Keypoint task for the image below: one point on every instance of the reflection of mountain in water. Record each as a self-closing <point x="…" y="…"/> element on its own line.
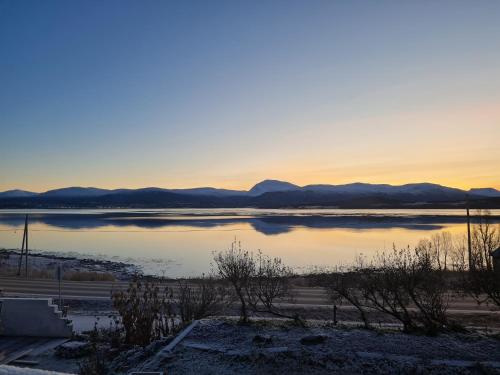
<point x="268" y="225"/>
<point x="280" y="224"/>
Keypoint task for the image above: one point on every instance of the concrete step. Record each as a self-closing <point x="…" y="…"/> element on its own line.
<point x="37" y="317"/>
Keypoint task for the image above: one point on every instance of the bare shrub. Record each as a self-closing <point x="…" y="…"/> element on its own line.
<point x="428" y="290"/>
<point x="459" y="257"/>
<point x="199" y="299"/>
<point x="484" y="286"/>
<point x="237" y="267"/>
<point x="270" y="282"/>
<point x="258" y="282"/>
<point x="345" y="285"/>
<point x="442" y="247"/>
<point x="485" y="240"/>
<point x="146" y="312"/>
<point x="483" y="281"/>
<point x="382" y="287"/>
<point x="408" y="286"/>
<point x="96" y="363"/>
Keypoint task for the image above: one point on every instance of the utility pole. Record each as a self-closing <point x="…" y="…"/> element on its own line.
<point x="469" y="243"/>
<point x="24" y="249"/>
<point x="27" y="246"/>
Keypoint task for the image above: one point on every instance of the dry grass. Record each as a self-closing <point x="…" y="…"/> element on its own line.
<point x="89" y="276"/>
<point x="69" y="275"/>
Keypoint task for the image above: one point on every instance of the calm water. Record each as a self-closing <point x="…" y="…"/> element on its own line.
<point x="180" y="242"/>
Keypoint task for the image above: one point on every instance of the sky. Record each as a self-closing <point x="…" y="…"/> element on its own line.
<point x="227" y="93"/>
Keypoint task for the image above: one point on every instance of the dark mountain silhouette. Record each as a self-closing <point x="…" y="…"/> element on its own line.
<point x="268" y="186"/>
<point x="16" y="194"/>
<point x="76" y="191"/>
<point x="266" y="194"/>
<point x="210" y="191"/>
<point x="486" y="192"/>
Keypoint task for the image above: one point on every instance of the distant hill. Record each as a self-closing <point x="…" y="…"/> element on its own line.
<point x="16" y="194"/>
<point x="265" y="194"/>
<point x="76" y="192"/>
<point x="485" y="192"/>
<point x="210" y="191"/>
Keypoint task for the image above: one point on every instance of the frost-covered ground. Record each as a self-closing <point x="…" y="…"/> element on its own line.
<point x="224" y="347"/>
<point x="221" y="346"/>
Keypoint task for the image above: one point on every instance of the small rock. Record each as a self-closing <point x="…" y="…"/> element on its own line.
<point x="262" y="339"/>
<point x="313" y="339"/>
<point x="73" y="349"/>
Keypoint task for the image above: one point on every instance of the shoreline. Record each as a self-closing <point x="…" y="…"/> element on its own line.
<point x="44" y="265"/>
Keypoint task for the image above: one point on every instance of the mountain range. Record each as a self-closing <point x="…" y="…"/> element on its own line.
<point x="265" y="194"/>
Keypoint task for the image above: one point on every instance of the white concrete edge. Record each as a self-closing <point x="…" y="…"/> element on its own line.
<point x="179" y="338"/>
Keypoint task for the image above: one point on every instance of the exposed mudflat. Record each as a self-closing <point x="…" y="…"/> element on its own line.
<point x="44" y="265"/>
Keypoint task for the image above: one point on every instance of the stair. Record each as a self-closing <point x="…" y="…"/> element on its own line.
<point x="36" y="317"/>
<point x="60" y="315"/>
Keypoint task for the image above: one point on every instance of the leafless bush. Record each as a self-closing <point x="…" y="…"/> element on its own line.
<point x="199" y="299"/>
<point x="382" y="287"/>
<point x="428" y="289"/>
<point x="237" y="267"/>
<point x="459" y="257"/>
<point x="441" y="249"/>
<point x="258" y="282"/>
<point x="96" y="363"/>
<point x="410" y="287"/>
<point x="345" y="285"/>
<point x="270" y="282"/>
<point x="485" y="240"/>
<point x="146" y="312"/>
<point x="482" y="281"/>
<point x="484" y="286"/>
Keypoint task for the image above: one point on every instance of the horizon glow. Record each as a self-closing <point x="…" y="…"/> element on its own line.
<point x="130" y="94"/>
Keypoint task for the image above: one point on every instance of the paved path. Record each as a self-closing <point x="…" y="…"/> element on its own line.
<point x="101" y="290"/>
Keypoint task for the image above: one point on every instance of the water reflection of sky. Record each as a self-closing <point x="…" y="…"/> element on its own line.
<point x="166" y="242"/>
